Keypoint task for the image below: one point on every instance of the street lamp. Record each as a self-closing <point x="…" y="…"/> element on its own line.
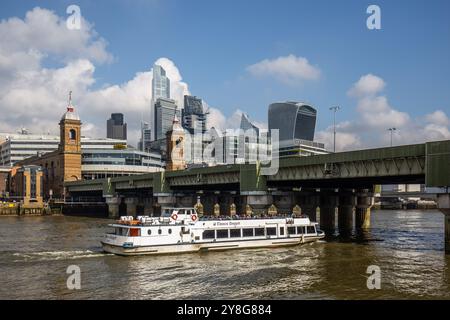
<point x="392" y="131"/>
<point x="335" y="109"/>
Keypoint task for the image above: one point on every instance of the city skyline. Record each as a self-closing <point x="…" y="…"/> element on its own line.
<point x="379" y="82"/>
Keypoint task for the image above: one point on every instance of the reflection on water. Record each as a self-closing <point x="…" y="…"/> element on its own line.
<point x="408" y="246"/>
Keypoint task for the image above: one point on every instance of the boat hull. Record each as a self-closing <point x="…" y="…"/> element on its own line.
<point x="208" y="246"/>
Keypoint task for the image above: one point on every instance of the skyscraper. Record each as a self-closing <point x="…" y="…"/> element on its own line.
<point x="194" y="115"/>
<point x="160" y="83"/>
<point x="160" y="89"/>
<point x="294" y="120"/>
<point x="165" y="110"/>
<point x="146" y="137"/>
<point x="115" y="127"/>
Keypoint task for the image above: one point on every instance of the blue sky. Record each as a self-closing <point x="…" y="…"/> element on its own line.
<point x="213" y="42"/>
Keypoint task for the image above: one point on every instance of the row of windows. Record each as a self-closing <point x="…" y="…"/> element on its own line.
<point x="255" y="232"/>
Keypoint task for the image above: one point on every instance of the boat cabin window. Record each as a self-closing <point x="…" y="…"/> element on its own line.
<point x="208" y="234"/>
<point x="300" y="230"/>
<point x="259" y="232"/>
<point x="122" y="231"/>
<point x="159" y="231"/>
<point x="281" y="231"/>
<point x="291" y="230"/>
<point x="248" y="232"/>
<point x="170" y="231"/>
<point x="311" y="229"/>
<point x="149" y="232"/>
<point x="235" y="233"/>
<point x="222" y="234"/>
<point x="272" y="231"/>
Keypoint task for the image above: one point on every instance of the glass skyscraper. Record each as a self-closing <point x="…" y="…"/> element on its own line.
<point x="160" y="83"/>
<point x="115" y="127"/>
<point x="294" y="120"/>
<point x="165" y="110"/>
<point x="194" y="115"/>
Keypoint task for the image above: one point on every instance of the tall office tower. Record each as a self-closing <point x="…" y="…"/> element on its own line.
<point x="160" y="83"/>
<point x="146" y="137"/>
<point x="246" y="124"/>
<point x="116" y="128"/>
<point x="160" y="89"/>
<point x="165" y="110"/>
<point x="194" y="115"/>
<point x="294" y="120"/>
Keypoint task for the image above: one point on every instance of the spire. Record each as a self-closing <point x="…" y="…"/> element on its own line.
<point x="69" y="106"/>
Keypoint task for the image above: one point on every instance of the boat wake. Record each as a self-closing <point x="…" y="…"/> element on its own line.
<point x="57" y="255"/>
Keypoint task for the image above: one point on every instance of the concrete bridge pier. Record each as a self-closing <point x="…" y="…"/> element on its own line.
<point x="259" y="203"/>
<point x="186" y="200"/>
<point x="347" y="202"/>
<point x="444" y="205"/>
<point x="208" y="201"/>
<point x="363" y="205"/>
<point x="113" y="203"/>
<point x="328" y="203"/>
<point x="131" y="206"/>
<point x="283" y="201"/>
<point x="309" y="201"/>
<point x="225" y="202"/>
<point x="147" y="203"/>
<point x="164" y="201"/>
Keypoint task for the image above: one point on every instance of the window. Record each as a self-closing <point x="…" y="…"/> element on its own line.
<point x="272" y="231"/>
<point x="72" y="134"/>
<point x="259" y="232"/>
<point x="311" y="229"/>
<point x="159" y="231"/>
<point x="291" y="230"/>
<point x="300" y="230"/>
<point x="149" y="232"/>
<point x="170" y="231"/>
<point x="281" y="231"/>
<point x="235" y="233"/>
<point x="208" y="234"/>
<point x="247" y="232"/>
<point x="222" y="234"/>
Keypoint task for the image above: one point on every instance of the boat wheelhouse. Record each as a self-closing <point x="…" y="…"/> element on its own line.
<point x="180" y="230"/>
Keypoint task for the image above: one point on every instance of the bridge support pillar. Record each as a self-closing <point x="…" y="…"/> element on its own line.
<point x="186" y="201"/>
<point x="363" y="205"/>
<point x="131" y="206"/>
<point x="113" y="207"/>
<point x="328" y="203"/>
<point x="308" y="203"/>
<point x="347" y="202"/>
<point x="259" y="203"/>
<point x="165" y="201"/>
<point x="208" y="201"/>
<point x="225" y="202"/>
<point x="148" y="206"/>
<point x="444" y="205"/>
<point x="284" y="201"/>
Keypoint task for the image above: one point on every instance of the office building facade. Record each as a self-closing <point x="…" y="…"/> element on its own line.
<point x="294" y="120"/>
<point x="194" y="115"/>
<point x="165" y="110"/>
<point x="146" y="137"/>
<point x="115" y="127"/>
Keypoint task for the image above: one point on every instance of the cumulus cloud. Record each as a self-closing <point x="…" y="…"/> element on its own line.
<point x="367" y="85"/>
<point x="34" y="96"/>
<point x="375" y="115"/>
<point x="289" y="69"/>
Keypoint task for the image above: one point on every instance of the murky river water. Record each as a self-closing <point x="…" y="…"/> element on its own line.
<point x="408" y="246"/>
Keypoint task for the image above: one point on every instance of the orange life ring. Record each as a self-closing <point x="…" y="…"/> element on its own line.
<point x="174" y="216"/>
<point x="194" y="217"/>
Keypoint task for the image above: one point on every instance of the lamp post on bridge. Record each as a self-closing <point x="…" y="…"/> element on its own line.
<point x="335" y="109"/>
<point x="392" y="131"/>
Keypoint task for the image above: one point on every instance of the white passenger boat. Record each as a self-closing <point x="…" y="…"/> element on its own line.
<point x="180" y="230"/>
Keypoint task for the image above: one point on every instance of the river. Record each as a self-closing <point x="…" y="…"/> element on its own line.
<point x="407" y="246"/>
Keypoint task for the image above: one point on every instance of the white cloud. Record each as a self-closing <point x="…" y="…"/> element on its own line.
<point x="289" y="69"/>
<point x="375" y="115"/>
<point x="367" y="85"/>
<point x="35" y="97"/>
